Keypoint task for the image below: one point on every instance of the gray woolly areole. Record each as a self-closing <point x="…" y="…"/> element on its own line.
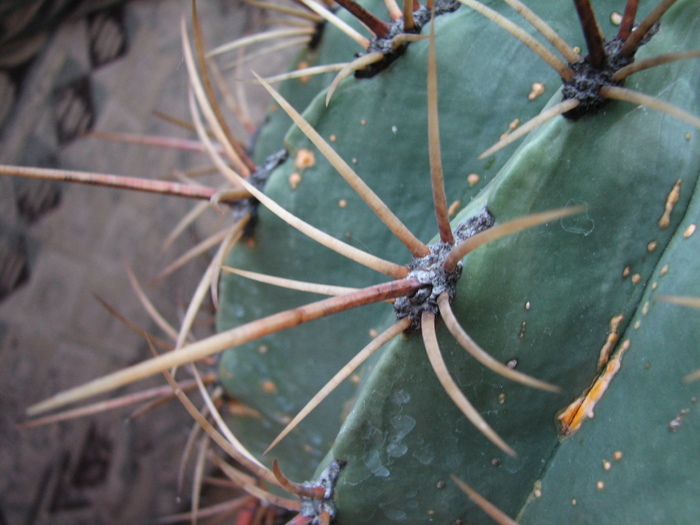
<point x="585" y="85"/>
<point x="327" y="480"/>
<point x="430" y="271"/>
<point x="384" y="45"/>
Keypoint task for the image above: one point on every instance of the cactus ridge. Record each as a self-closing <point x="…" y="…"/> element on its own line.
<point x="438" y="272"/>
<point x="372" y="294"/>
<point x="530" y="166"/>
<point x="352" y="474"/>
<point x="591" y="81"/>
<point x="297" y="316"/>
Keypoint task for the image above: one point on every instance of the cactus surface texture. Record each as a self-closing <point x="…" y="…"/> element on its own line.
<point x="543" y="298"/>
<point x="581" y="303"/>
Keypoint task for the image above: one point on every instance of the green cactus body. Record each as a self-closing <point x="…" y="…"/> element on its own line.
<point x="336" y="47"/>
<point x="631" y="462"/>
<point x="392" y="156"/>
<point x="404" y="437"/>
<point x="471" y="77"/>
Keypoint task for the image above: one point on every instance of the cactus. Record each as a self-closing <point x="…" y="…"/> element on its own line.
<point x="385" y="445"/>
<point x="382" y="440"/>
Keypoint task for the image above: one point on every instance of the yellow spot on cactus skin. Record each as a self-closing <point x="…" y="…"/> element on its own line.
<point x="664" y="270"/>
<point x="617" y="456"/>
<point x="626" y="272"/>
<point x="342" y="203"/>
<point x="610" y="342"/>
<point x="573" y="501"/>
<point x="303" y="65"/>
<point x="473" y="178"/>
<point x="606" y="465"/>
<point x="363" y="122"/>
<point x="600" y="485"/>
<point x="652" y="246"/>
<point x="440" y="484"/>
<point x="501" y="398"/>
<point x="645" y="308"/>
<point x="636" y="278"/>
<point x="577" y="49"/>
<point x="269" y="387"/>
<point x="637" y="324"/>
<point x="333" y="138"/>
<point x="354" y="160"/>
<point x="513" y="125"/>
<point x="453" y="208"/>
<point x="527" y="305"/>
<point x="690" y="230"/>
<point x="355" y="379"/>
<point x="671" y="201"/>
<point x="538" y="89"/>
<point x="305" y="159"/>
<point x="522" y="329"/>
<point x="654" y="285"/>
<point x="294" y="180"/>
<point x="262" y="349"/>
<point x="373" y="333"/>
<point x="616" y="18"/>
<point x="236" y="408"/>
<point x="687" y="137"/>
<point x="572" y="417"/>
<point x="537" y="489"/>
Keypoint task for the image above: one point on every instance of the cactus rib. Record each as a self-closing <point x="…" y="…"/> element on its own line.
<point x="596" y="78"/>
<point x="450" y="386"/>
<point x="414" y="245"/>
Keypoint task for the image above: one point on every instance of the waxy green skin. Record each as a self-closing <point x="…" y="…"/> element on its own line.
<point x="395" y="165"/>
<point x="653" y="481"/>
<point x="404" y="434"/>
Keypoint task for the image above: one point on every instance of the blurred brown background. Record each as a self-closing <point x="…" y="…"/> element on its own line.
<point x="67" y="67"/>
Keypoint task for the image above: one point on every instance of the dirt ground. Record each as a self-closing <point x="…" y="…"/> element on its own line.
<point x="62" y="244"/>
